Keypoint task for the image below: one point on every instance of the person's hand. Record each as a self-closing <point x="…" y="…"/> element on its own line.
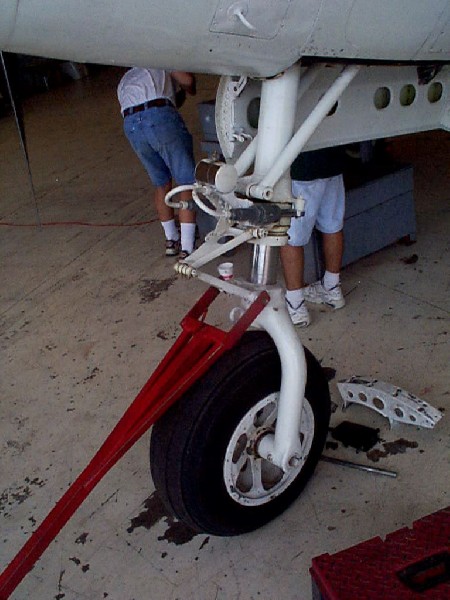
<point x="180" y="97"/>
<point x="186" y="81"/>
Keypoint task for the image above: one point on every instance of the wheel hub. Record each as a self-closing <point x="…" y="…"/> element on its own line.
<point x="250" y="479"/>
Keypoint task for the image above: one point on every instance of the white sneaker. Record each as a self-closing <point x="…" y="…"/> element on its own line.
<point x="319" y="295"/>
<point x="300" y="315"/>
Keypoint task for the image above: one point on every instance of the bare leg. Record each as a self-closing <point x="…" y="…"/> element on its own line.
<point x="292" y="260"/>
<point x="333" y="250"/>
<point x="327" y="290"/>
<point x="165" y="213"/>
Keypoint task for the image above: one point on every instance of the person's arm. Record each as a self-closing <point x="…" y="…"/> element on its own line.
<point x="186" y="81"/>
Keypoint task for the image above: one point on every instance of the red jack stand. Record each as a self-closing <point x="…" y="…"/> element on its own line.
<point x="196" y="349"/>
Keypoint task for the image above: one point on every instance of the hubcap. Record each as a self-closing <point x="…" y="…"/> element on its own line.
<point x="250" y="479"/>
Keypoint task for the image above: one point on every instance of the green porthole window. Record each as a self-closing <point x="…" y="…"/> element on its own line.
<point x="382" y="98"/>
<point x="407" y="95"/>
<point x="435" y="92"/>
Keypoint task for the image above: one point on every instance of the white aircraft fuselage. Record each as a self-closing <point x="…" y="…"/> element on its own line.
<point x="228" y="37"/>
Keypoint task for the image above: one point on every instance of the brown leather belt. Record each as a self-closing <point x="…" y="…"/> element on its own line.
<point x="150" y="104"/>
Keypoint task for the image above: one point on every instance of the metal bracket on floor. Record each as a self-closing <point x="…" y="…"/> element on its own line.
<point x="389" y="400"/>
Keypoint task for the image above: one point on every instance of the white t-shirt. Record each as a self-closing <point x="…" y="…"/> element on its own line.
<point x="140" y="85"/>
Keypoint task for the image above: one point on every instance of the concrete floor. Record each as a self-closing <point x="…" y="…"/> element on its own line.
<point x="87" y="312"/>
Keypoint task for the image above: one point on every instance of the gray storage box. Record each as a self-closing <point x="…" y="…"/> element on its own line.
<point x="378" y="213"/>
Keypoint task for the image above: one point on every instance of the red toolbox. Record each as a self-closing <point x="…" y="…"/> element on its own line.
<point x="411" y="564"/>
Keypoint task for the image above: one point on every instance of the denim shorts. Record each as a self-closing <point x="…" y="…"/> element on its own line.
<point x="163" y="143"/>
<point x="324" y="208"/>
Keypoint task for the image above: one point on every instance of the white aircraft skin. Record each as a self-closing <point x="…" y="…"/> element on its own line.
<point x="227" y="37"/>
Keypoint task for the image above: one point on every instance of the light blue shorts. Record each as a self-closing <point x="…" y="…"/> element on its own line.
<point x="163" y="143"/>
<point x="324" y="208"/>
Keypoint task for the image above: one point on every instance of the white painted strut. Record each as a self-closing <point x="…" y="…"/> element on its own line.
<point x="293" y="149"/>
<point x="284" y="447"/>
<point x="245" y="160"/>
<point x="276" y="126"/>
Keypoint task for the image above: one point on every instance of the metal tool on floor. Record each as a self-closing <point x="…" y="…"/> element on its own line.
<point x="360" y="467"/>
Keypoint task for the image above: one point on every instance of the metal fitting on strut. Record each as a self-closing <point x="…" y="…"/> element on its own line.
<point x="258" y="214"/>
<point x="183" y="268"/>
<point x="218" y="174"/>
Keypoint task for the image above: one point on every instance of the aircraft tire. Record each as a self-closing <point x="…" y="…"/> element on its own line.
<point x="203" y="455"/>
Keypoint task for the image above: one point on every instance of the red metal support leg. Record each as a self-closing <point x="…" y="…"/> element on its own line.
<point x="196" y="349"/>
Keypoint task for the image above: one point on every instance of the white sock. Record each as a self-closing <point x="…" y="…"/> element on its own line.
<point x="187" y="236"/>
<point x="170" y="230"/>
<point x="330" y="280"/>
<point x="295" y="297"/>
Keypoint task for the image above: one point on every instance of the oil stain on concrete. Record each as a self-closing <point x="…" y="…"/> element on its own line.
<point x="390" y="448"/>
<point x="151" y="289"/>
<point x="11" y="497"/>
<point x="154" y="511"/>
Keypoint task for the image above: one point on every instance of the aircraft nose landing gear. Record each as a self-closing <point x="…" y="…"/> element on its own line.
<point x="241" y="443"/>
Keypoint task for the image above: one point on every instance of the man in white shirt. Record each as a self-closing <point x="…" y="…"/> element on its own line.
<point x="160" y="138"/>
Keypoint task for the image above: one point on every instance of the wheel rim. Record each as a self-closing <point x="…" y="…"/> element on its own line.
<point x="251" y="480"/>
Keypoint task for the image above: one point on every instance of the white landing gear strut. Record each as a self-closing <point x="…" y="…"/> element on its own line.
<point x="268" y="189"/>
